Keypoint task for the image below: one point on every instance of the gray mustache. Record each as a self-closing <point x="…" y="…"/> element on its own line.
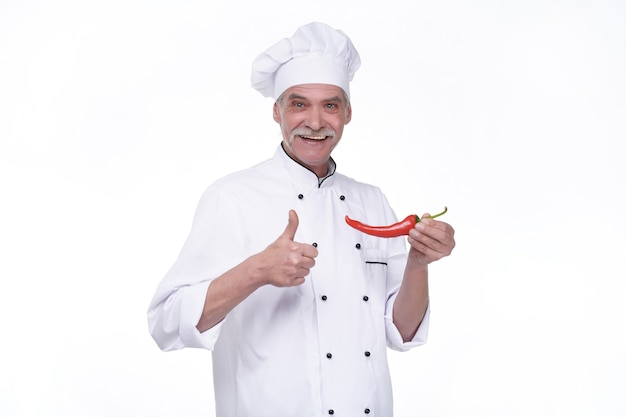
<point x="310" y="132"/>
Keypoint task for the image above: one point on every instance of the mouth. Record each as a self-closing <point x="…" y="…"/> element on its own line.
<point x="309" y="135"/>
<point x="313" y="138"/>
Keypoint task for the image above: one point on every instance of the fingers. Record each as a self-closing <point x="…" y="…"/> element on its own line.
<point x="292" y="226"/>
<point x="292" y="269"/>
<point x="434" y="239"/>
<point x="307" y="260"/>
<point x="309" y="251"/>
<point x="433" y="224"/>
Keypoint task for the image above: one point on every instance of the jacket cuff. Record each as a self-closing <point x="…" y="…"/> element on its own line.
<point x="191" y="307"/>
<point x="394" y="339"/>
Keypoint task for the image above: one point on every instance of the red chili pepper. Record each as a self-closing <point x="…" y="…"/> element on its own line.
<point x="400" y="228"/>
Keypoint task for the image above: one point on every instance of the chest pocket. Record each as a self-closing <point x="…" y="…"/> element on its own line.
<point x="374" y="257"/>
<point x="375" y="265"/>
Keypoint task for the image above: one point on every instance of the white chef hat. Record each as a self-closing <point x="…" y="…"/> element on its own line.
<point x="315" y="54"/>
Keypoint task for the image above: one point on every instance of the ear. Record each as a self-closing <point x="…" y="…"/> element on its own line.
<point x="348" y="113"/>
<point x="276" y="113"/>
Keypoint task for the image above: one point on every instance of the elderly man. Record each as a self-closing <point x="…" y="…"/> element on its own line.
<point x="299" y="315"/>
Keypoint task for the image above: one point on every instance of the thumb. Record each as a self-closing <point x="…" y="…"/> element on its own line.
<point x="292" y="226"/>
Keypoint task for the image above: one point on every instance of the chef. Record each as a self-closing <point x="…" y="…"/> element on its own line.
<point x="297" y="307"/>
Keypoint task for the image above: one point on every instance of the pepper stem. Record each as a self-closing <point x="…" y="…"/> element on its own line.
<point x="445" y="208"/>
<point x="436" y="215"/>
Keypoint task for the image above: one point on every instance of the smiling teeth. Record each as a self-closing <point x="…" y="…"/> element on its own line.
<point x="314" y="137"/>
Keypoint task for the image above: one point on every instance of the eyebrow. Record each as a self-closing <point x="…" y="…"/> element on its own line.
<point x="292" y="96"/>
<point x="336" y="98"/>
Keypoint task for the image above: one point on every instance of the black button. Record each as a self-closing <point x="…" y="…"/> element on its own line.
<point x="358" y="246"/>
<point x="329" y="355"/>
<point x="324" y="298"/>
<point x="367" y="353"/>
<point x="331" y="411"/>
<point x="365" y="298"/>
<point x="315" y="244"/>
<point x="300" y="196"/>
<point x="342" y="197"/>
<point x="367" y="411"/>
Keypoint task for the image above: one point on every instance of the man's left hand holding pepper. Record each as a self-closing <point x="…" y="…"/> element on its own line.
<point x="430" y="240"/>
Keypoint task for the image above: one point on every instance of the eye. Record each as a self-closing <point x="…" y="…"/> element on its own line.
<point x="331" y="106"/>
<point x="298" y="104"/>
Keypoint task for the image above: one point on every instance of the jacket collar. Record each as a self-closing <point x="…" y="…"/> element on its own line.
<point x="302" y="174"/>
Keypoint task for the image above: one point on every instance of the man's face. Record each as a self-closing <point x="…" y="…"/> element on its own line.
<point x="311" y="118"/>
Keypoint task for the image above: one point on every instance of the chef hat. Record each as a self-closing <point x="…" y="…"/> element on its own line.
<point x="315" y="54"/>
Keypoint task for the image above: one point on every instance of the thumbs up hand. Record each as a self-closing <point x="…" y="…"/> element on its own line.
<point x="286" y="262"/>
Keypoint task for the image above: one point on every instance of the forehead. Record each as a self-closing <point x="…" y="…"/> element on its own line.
<point x="315" y="92"/>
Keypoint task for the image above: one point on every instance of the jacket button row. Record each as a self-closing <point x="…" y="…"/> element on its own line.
<point x="367" y="354"/>
<point x="331" y="411"/>
<point x="341" y="197"/>
<point x="325" y="297"/>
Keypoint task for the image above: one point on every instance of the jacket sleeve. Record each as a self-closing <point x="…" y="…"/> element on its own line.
<point x="179" y="299"/>
<point x="394" y="339"/>
<point x="397" y="257"/>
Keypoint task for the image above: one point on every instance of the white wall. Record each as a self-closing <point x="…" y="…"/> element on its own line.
<point x="114" y="117"/>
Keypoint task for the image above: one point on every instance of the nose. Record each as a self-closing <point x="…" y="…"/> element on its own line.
<point x="315" y="120"/>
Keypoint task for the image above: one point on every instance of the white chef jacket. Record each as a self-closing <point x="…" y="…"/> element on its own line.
<point x="313" y="350"/>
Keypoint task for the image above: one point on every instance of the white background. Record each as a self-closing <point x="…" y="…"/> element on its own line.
<point x="116" y="115"/>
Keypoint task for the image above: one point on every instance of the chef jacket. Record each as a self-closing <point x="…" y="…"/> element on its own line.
<point x="316" y="349"/>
